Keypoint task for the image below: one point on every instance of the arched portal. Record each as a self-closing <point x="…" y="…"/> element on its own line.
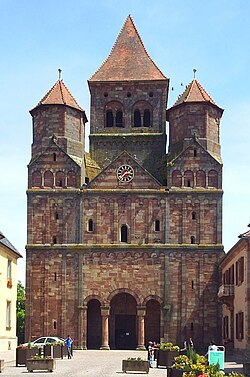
<point x="123" y="326"/>
<point x="152" y="321"/>
<point x="94" y="325"/>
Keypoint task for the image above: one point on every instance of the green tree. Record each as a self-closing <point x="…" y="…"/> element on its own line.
<point x="20" y="312"/>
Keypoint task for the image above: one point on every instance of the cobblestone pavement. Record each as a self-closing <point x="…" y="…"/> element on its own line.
<point x="98" y="364"/>
<point x="91" y="364"/>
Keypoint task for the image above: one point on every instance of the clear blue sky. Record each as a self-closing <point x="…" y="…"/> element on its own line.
<point x="38" y="37"/>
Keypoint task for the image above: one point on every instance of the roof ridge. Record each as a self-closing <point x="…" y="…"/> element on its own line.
<point x="126" y="27"/>
<point x="59" y="94"/>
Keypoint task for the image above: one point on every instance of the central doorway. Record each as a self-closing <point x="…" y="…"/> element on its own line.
<point x="125" y="330"/>
<point x="123" y="322"/>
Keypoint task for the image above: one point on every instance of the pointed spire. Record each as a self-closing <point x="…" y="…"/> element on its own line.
<point x="59" y="95"/>
<point x="128" y="59"/>
<point x="194" y="93"/>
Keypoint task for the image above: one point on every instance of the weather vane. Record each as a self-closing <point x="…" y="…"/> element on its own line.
<point x="59" y="73"/>
<point x="194" y="70"/>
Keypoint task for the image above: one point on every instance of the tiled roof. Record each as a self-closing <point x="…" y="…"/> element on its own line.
<point x="194" y="93"/>
<point x="128" y="59"/>
<point x="4" y="241"/>
<point x="246" y="234"/>
<point x="59" y="95"/>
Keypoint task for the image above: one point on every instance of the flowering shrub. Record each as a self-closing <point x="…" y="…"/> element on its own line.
<point x="168" y="346"/>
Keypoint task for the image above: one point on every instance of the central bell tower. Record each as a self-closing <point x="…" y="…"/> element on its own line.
<point x="128" y="105"/>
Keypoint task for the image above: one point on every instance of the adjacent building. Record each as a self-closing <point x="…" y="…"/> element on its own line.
<point x="234" y="294"/>
<point x="124" y="242"/>
<point x="8" y="288"/>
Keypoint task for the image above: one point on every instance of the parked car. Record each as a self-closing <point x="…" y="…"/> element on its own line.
<point x="40" y="342"/>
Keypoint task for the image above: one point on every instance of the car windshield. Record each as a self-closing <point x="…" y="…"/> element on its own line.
<point x="40" y="340"/>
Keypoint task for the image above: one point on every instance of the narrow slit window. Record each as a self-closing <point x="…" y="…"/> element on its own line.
<point x="124" y="233"/>
<point x="56" y="216"/>
<point x="137" y="118"/>
<point x="54" y="325"/>
<point x="55" y="276"/>
<point x="118" y="119"/>
<point x="192" y="239"/>
<point x="54" y="240"/>
<point x="54" y="156"/>
<point x="109" y="118"/>
<point x="193" y="216"/>
<point x="146" y="118"/>
<point x="195" y="152"/>
<point x="90" y="225"/>
<point x="157" y="225"/>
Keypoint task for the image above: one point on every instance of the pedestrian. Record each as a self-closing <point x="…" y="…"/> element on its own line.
<point x="150" y="354"/>
<point x="68" y="341"/>
<point x="212" y="347"/>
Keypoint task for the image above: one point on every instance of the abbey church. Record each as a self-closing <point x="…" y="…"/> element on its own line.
<point x="124" y="241"/>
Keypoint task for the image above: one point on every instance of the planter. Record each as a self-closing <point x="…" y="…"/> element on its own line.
<point x="246" y="368"/>
<point x="172" y="372"/>
<point x="22" y="354"/>
<point x="41" y="364"/>
<point x="135" y="366"/>
<point x="166" y="358"/>
<point x="56" y="352"/>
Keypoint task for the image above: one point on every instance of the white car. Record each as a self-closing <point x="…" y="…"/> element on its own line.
<point x="40" y="342"/>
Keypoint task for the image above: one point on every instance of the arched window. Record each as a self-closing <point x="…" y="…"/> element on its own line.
<point x="36" y="179"/>
<point x="157" y="225"/>
<point x="118" y="119"/>
<point x="124" y="233"/>
<point x="71" y="179"/>
<point x="90" y="225"/>
<point x="109" y="118"/>
<point x="193" y="215"/>
<point x="60" y="179"/>
<point x="48" y="179"/>
<point x="56" y="216"/>
<point x="213" y="178"/>
<point x="146" y="118"/>
<point x="137" y="118"/>
<point x="192" y="239"/>
<point x="200" y="178"/>
<point x="54" y="240"/>
<point x="188" y="178"/>
<point x="176" y="178"/>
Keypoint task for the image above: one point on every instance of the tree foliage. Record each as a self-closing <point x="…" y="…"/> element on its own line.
<point x="20" y="311"/>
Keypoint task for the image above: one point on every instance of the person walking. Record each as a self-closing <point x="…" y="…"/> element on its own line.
<point x="68" y="341"/>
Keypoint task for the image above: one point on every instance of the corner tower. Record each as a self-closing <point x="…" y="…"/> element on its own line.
<point x="128" y="105"/>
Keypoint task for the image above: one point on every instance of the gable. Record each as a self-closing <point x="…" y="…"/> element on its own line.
<point x="55" y="157"/>
<point x="124" y="173"/>
<point x="195" y="156"/>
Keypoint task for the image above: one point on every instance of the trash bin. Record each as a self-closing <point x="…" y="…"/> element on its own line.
<point x="218" y="356"/>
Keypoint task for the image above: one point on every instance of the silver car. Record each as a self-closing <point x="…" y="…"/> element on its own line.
<point x="40" y="342"/>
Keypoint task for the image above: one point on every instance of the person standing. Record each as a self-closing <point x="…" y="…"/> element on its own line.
<point x="68" y="341"/>
<point x="150" y="354"/>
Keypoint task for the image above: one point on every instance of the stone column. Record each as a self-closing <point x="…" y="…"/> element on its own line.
<point x="105" y="327"/>
<point x="141" y="312"/>
<point x="84" y="327"/>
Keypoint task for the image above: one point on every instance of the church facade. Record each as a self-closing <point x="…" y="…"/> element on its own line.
<point x="124" y="242"/>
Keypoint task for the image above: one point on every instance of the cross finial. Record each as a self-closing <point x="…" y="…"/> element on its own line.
<point x="194" y="70"/>
<point x="59" y="73"/>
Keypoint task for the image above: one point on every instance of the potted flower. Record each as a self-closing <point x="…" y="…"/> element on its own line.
<point x="25" y="352"/>
<point x="41" y="363"/>
<point x="193" y="365"/>
<point x="54" y="350"/>
<point x="167" y="352"/>
<point x="133" y="364"/>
